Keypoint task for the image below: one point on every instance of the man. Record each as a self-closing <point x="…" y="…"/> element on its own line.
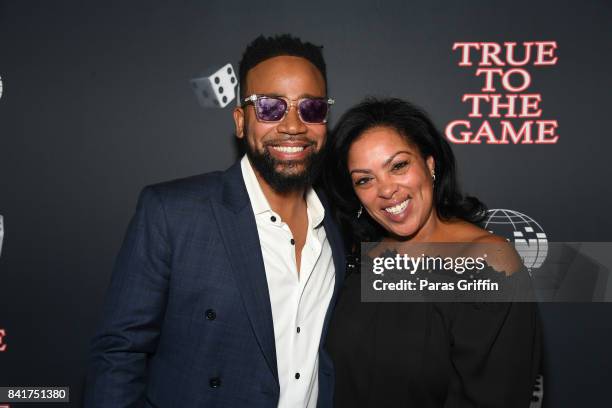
<point x="223" y="288"/>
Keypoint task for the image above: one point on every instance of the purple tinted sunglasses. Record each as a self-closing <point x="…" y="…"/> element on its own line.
<point x="275" y="108"/>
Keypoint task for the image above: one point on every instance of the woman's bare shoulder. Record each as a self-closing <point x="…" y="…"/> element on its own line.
<point x="501" y="254"/>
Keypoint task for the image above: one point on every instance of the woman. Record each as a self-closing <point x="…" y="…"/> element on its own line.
<point x="393" y="179"/>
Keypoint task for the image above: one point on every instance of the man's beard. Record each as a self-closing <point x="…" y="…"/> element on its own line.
<point x="285" y="181"/>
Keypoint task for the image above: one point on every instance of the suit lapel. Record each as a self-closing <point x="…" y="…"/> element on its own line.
<point x="338" y="255"/>
<point x="337" y="250"/>
<point x="239" y="233"/>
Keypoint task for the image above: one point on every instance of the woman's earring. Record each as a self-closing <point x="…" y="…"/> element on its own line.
<point x="433" y="176"/>
<point x="359" y="211"/>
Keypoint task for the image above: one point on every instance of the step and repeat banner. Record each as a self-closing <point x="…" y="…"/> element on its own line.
<point x="98" y="99"/>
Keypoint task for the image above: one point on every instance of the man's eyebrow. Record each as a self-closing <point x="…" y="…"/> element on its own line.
<point x="304" y="95"/>
<point x="307" y="95"/>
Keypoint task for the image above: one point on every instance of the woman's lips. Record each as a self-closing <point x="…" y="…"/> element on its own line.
<point x="398" y="211"/>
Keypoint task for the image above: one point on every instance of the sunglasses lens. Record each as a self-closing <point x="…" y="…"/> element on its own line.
<point x="270" y="109"/>
<point x="313" y="110"/>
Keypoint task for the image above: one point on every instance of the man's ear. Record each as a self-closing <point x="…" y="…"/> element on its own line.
<point x="239" y="121"/>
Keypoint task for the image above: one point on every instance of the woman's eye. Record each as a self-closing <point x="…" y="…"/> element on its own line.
<point x="362" y="181"/>
<point x="399" y="165"/>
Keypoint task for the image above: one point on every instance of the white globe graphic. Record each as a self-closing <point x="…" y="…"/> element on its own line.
<point x="527" y="235"/>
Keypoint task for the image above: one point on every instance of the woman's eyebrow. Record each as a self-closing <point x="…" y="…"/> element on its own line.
<point x="360" y="171"/>
<point x="390" y="159"/>
<point x="385" y="164"/>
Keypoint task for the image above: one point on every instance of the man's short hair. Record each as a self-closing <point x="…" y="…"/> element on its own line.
<point x="263" y="48"/>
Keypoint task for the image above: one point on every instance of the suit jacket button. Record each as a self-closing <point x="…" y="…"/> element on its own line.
<point x="215" y="382"/>
<point x="211" y="314"/>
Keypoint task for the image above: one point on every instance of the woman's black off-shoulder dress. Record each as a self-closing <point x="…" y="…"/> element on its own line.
<point x="432" y="354"/>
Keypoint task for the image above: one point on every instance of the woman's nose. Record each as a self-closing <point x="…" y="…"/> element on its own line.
<point x="387" y="189"/>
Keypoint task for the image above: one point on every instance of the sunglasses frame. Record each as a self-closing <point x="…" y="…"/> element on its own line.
<point x="252" y="99"/>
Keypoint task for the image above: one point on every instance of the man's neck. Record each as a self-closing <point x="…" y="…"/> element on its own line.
<point x="287" y="204"/>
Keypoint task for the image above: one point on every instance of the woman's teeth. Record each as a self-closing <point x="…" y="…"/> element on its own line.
<point x="288" y="149"/>
<point x="398" y="208"/>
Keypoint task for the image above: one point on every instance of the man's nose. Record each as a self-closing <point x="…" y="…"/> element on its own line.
<point x="291" y="123"/>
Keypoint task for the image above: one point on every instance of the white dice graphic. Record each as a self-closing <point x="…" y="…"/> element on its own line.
<point x="216" y="90"/>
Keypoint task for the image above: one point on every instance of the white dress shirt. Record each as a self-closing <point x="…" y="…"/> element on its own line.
<point x="299" y="301"/>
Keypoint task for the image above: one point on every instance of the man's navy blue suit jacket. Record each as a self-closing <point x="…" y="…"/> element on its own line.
<point x="187" y="320"/>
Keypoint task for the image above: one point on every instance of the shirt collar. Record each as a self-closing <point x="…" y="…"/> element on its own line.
<point x="258" y="199"/>
<point x="316" y="212"/>
<point x="260" y="204"/>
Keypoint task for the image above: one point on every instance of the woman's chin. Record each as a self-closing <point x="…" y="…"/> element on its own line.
<point x="403" y="230"/>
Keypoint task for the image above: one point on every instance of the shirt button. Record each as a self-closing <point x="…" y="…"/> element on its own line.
<point x="298" y="329"/>
<point x="214" y="382"/>
<point x="211" y="314"/>
<point x="292" y="241"/>
<point x="273" y="218"/>
<point x="297" y="376"/>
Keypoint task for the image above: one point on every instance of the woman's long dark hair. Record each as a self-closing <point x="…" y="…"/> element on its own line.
<point x="415" y="125"/>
